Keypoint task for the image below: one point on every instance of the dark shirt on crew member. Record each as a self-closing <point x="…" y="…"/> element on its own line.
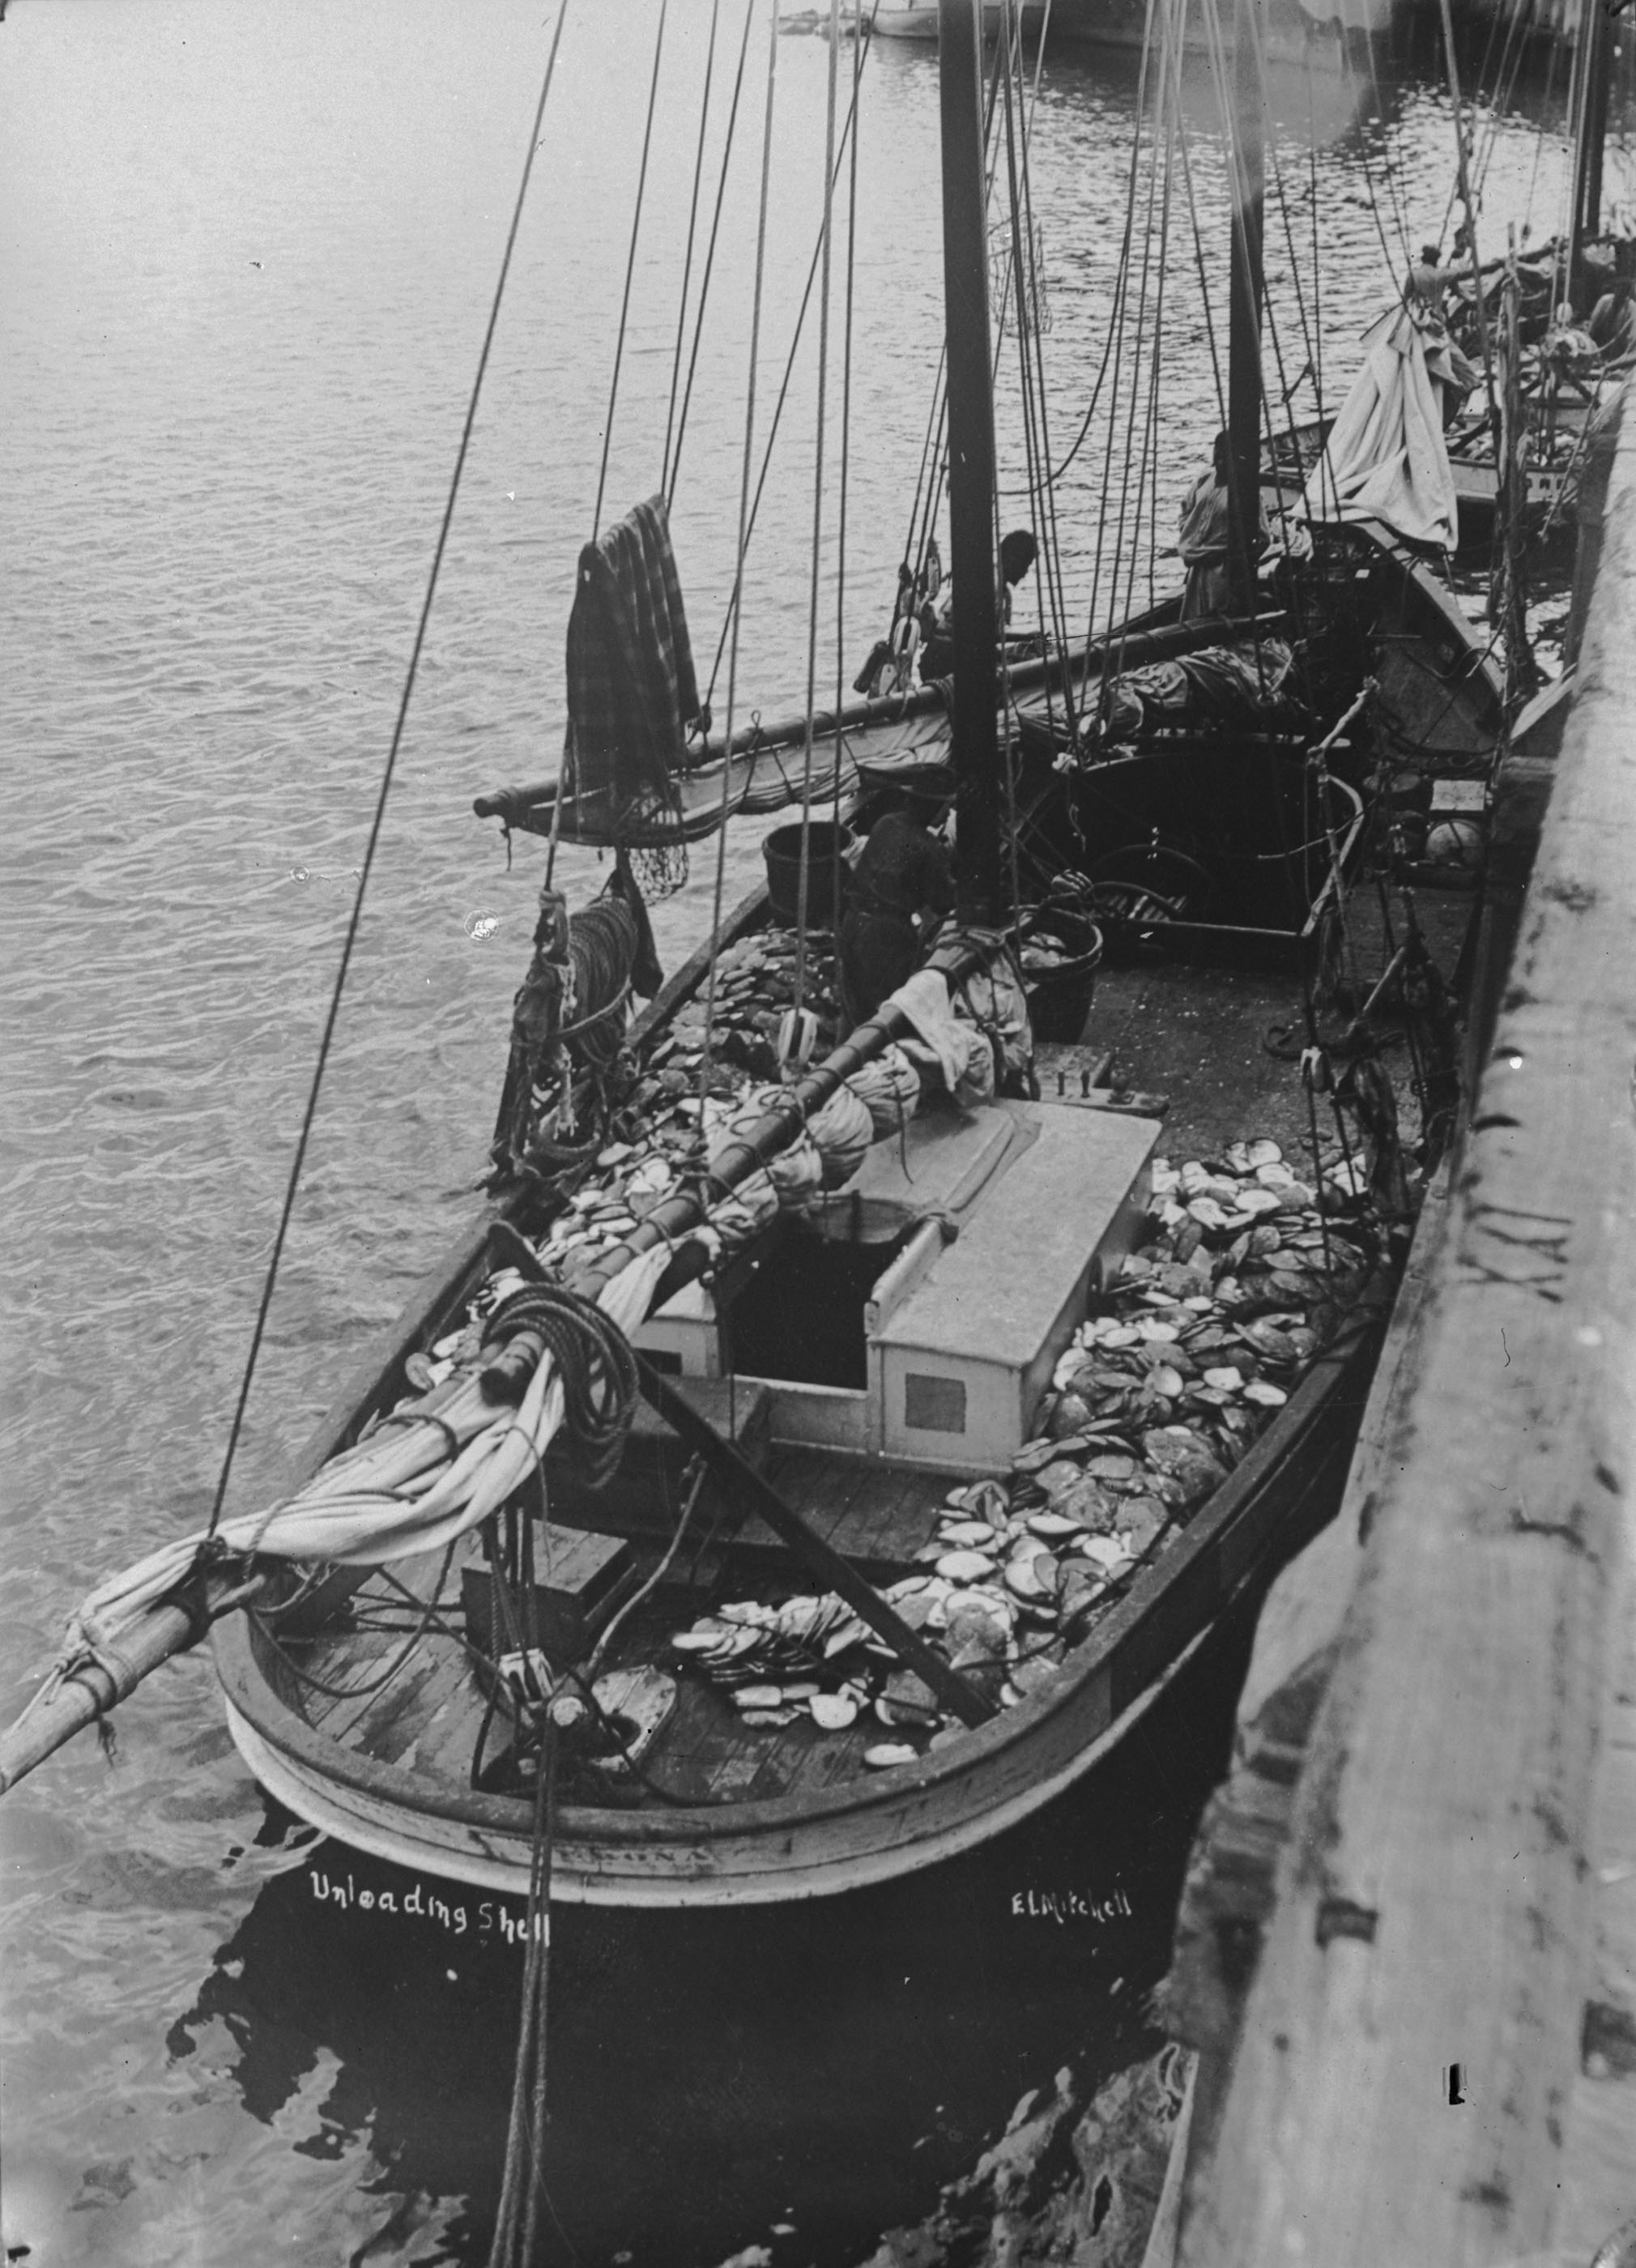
<point x="902" y="869"/>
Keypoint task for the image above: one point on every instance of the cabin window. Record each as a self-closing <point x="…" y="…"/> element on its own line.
<point x="934" y="1405"/>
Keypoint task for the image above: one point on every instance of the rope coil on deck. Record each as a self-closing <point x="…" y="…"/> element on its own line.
<point x="593" y="1359"/>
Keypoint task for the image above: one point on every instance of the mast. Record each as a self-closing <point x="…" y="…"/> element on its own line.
<point x="1247" y="129"/>
<point x="1590" y="129"/>
<point x="970" y="464"/>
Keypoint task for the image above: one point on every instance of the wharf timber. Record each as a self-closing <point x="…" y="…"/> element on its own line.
<point x="1407" y="1951"/>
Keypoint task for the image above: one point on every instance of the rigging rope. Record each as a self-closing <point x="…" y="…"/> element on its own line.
<point x="630" y="263"/>
<point x="710" y="255"/>
<point x="523" y="2184"/>
<point x="1114" y="352"/>
<point x="777" y="413"/>
<point x="735" y="604"/>
<point x="846" y="453"/>
<point x="687" y="264"/>
<point x="367" y="867"/>
<point x="826" y="241"/>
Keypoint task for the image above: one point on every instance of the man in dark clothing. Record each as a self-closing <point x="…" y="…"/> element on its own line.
<point x="1018" y="552"/>
<point x="903" y="871"/>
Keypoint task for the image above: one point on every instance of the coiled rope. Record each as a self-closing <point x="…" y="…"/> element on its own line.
<point x="591" y="1358"/>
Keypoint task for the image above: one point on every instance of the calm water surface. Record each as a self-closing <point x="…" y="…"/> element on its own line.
<point x="246" y="259"/>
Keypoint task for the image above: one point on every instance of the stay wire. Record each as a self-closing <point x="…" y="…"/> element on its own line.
<point x="1050" y="547"/>
<point x="846" y="459"/>
<point x="1204" y="276"/>
<point x="826" y="239"/>
<point x="687" y="264"/>
<point x="1031" y="461"/>
<point x="631" y="266"/>
<point x="1113" y="352"/>
<point x="376" y="824"/>
<point x="1135" y="373"/>
<point x="710" y="253"/>
<point x="735" y="604"/>
<point x="772" y="431"/>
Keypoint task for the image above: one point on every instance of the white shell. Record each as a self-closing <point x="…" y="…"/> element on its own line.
<point x="1023" y="1576"/>
<point x="834" y="1711"/>
<point x="965" y="1566"/>
<point x="1229" y="1378"/>
<point x="885" y="1754"/>
<point x="1051" y="1523"/>
<point x="1257" y="1200"/>
<point x="1262" y="1390"/>
<point x="758" y="1697"/>
<point x="967" y="1535"/>
<point x="1166" y="1380"/>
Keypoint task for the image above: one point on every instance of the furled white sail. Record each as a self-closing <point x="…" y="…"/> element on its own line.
<point x="1386" y="458"/>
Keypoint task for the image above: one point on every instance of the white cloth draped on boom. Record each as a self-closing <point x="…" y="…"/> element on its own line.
<point x="442" y="1478"/>
<point x="325" y="1523"/>
<point x="1386" y="458"/>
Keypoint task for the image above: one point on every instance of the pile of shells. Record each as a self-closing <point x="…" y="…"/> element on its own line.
<point x="809" y="1658"/>
<point x="754" y="985"/>
<point x="1240" y="1277"/>
<point x="632" y="1178"/>
<point x="662" y="1138"/>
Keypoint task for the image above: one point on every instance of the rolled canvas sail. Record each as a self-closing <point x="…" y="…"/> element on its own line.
<point x="1386" y="458"/>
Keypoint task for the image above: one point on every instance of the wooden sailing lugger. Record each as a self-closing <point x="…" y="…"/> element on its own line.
<point x="937" y="1292"/>
<point x="921" y="1368"/>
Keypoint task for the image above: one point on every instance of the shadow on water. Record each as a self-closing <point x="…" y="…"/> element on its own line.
<point x="827" y="2065"/>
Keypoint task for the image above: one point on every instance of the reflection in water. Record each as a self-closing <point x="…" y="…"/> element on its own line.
<point x="827" y="2065"/>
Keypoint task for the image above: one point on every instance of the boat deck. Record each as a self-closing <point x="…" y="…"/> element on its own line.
<point x="427" y="1717"/>
<point x="1216" y="1040"/>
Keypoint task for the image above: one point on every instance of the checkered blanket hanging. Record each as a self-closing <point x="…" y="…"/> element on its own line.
<point x="632" y="691"/>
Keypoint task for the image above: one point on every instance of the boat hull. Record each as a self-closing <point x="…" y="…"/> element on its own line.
<point x="866" y="1832"/>
<point x="917" y="20"/>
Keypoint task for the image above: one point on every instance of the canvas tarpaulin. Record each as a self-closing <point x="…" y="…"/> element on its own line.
<point x="1386" y="458"/>
<point x="631" y="689"/>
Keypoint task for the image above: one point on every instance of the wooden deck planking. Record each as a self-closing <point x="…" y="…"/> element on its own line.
<point x="891" y="1521"/>
<point x="353" y="1658"/>
<point x="397" y="1740"/>
<point x="822" y="1489"/>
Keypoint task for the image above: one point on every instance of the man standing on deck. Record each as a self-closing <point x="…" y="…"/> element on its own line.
<point x="903" y="872"/>
<point x="1429" y="281"/>
<point x="1204" y="538"/>
<point x="1018" y="552"/>
<point x="1425" y="295"/>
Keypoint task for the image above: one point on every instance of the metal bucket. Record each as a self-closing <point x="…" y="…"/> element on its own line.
<point x="1059" y="1000"/>
<point x="782" y="850"/>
